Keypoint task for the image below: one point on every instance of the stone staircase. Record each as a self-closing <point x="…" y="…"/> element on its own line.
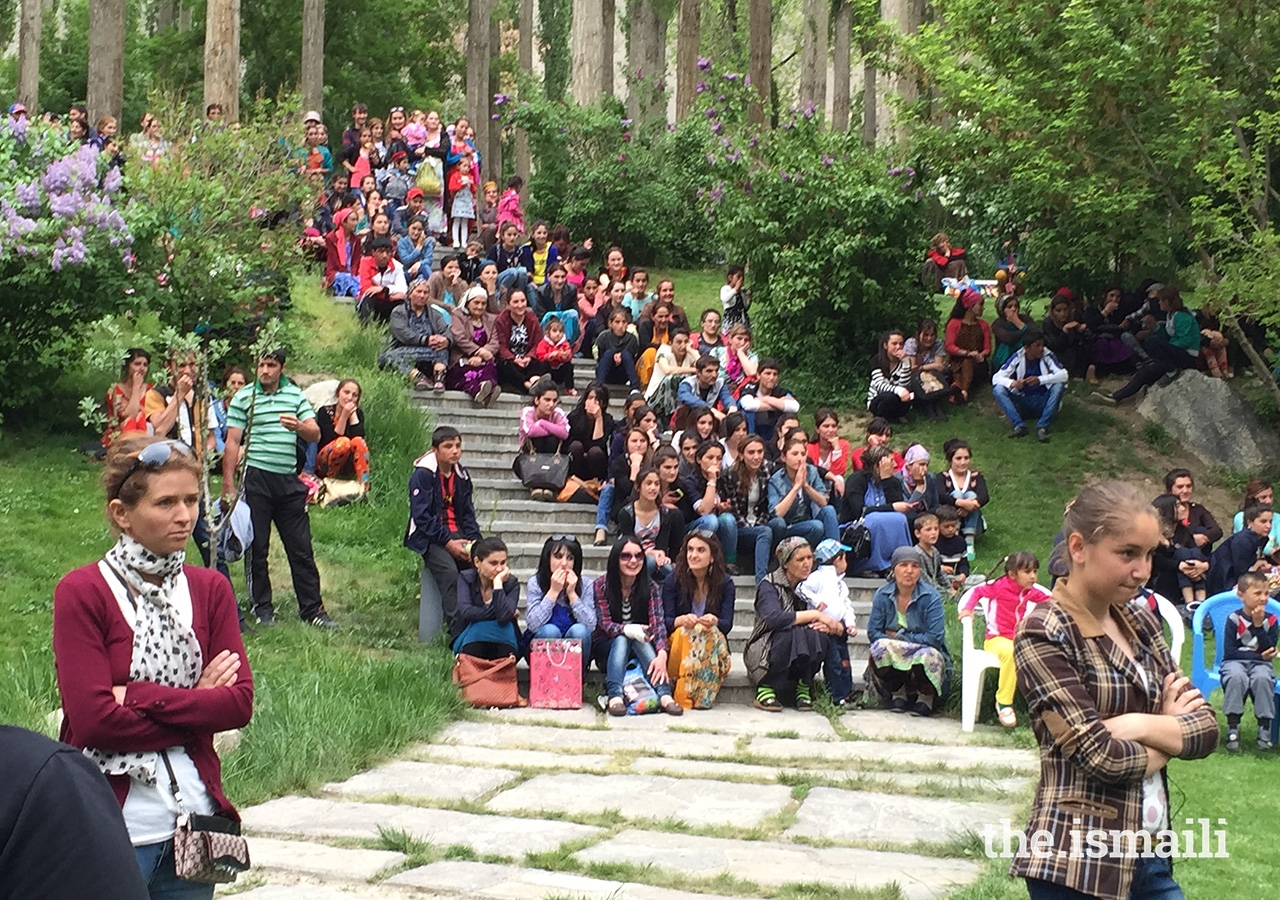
<point x="504" y="508"/>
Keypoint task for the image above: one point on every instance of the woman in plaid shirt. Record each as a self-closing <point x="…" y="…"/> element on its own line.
<point x="1109" y="709"/>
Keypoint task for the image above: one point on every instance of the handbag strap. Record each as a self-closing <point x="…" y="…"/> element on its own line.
<point x="173" y="782"/>
<point x="563" y="660"/>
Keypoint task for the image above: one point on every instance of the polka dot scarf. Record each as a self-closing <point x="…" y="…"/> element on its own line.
<point x="165" y="651"/>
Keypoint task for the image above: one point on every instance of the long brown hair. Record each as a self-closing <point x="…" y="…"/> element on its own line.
<point x="717" y="572"/>
<point x="740" y="467"/>
<point x="1252" y="489"/>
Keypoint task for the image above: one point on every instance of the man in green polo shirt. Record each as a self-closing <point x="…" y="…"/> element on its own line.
<point x="273" y="413"/>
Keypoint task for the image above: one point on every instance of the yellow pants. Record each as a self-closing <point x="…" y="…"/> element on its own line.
<point x="1002" y="647"/>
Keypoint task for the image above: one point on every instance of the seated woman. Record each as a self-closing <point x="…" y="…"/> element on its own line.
<point x="416" y="251"/>
<point x="968" y="343"/>
<point x="671" y="364"/>
<point x="749" y="487"/>
<point x="1066" y="334"/>
<point x="488" y="594"/>
<point x="737" y="360"/>
<point x="735" y="432"/>
<point x="1179" y="566"/>
<point x="798" y="498"/>
<point x="879" y="434"/>
<point x="559" y="299"/>
<point x="342" y="248"/>
<point x="889" y="393"/>
<point x="556" y="605"/>
<point x="708" y="339"/>
<point x="667" y="461"/>
<point x="928" y="357"/>
<point x="966" y="488"/>
<point x="637" y="454"/>
<point x="474" y="367"/>
<point x="654" y="330"/>
<point x="918" y="487"/>
<point x="1241" y="552"/>
<point x="446" y="287"/>
<point x="1174" y="345"/>
<point x="701" y="424"/>
<point x="543" y="428"/>
<point x="1259" y="492"/>
<point x="830" y="451"/>
<point x="342" y="451"/>
<point x="638" y="415"/>
<point x="657" y="528"/>
<point x="124" y="398"/>
<point x="1105" y="321"/>
<point x="591" y="431"/>
<point x="1007" y="330"/>
<point x="790" y="640"/>
<point x="875" y="496"/>
<point x="909" y="664"/>
<point x="697" y="603"/>
<point x="630" y="625"/>
<point x="941" y="261"/>
<point x="141" y="630"/>
<point x="709" y="499"/>
<point x="419" y="343"/>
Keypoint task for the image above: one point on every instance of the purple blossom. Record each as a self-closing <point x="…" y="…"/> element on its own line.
<point x="704" y="64"/>
<point x="711" y="159"/>
<point x="112" y="182"/>
<point x="717" y="193"/>
<point x="639" y="74"/>
<point x="626" y="123"/>
<point x="28" y="196"/>
<point x="827" y="160"/>
<point x="57" y="176"/>
<point x="662" y="84"/>
<point x="711" y="112"/>
<point x="717" y="128"/>
<point x="895" y="171"/>
<point x="730" y="76"/>
<point x="671" y="126"/>
<point x="19" y="128"/>
<point x="786" y="176"/>
<point x="753" y="143"/>
<point x="626" y="137"/>
<point x="799" y="178"/>
<point x="495" y="117"/>
<point x="726" y="143"/>
<point x="746" y="81"/>
<point x="734" y="156"/>
<point x="809" y="109"/>
<point x="56" y="261"/>
<point x="622" y="157"/>
<point x="720" y="99"/>
<point x="700" y="87"/>
<point x="64" y="206"/>
<point x="911" y="172"/>
<point x="500" y="99"/>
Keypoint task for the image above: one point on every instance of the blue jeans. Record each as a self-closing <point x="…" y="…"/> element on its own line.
<point x="309" y="466"/>
<point x="725" y="527"/>
<point x="657" y="572"/>
<point x="621" y="651"/>
<point x="607" y="371"/>
<point x="604" y="505"/>
<point x="1152" y="880"/>
<point x="837" y="672"/>
<point x="156" y="862"/>
<point x="760" y="540"/>
<point x="815" y="530"/>
<point x="516" y="279"/>
<point x="971" y="524"/>
<point x="577" y="632"/>
<point x="1017" y="404"/>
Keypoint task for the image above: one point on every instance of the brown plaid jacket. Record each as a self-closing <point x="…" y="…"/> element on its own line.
<point x="1073" y="678"/>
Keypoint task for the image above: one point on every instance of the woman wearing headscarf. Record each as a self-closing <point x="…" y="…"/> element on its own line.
<point x="419" y="342"/>
<point x="968" y="342"/>
<point x="342" y="253"/>
<point x="874" y="496"/>
<point x="790" y="641"/>
<point x="908" y="665"/>
<point x="918" y="488"/>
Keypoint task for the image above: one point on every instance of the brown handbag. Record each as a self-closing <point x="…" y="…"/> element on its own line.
<point x="487" y="682"/>
<point x="206" y="849"/>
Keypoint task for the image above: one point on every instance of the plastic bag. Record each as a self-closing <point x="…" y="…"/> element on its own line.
<point x="637" y="693"/>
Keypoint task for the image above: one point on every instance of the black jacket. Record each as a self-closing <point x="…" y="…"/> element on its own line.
<point x="852" y="506"/>
<point x="428" y="522"/>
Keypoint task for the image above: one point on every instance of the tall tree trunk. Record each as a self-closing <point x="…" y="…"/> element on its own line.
<point x="106" y="59"/>
<point x="29" y="29"/>
<point x="870" y="96"/>
<point x="478" y="98"/>
<point x="609" y="12"/>
<point x="731" y="26"/>
<point x="313" y="55"/>
<point x="587" y="39"/>
<point x="222" y="57"/>
<point x="905" y="16"/>
<point x="166" y="15"/>
<point x="688" y="37"/>
<point x="524" y="159"/>
<point x="494" y="151"/>
<point x="184" y="16"/>
<point x="760" y="57"/>
<point x="555" y="22"/>
<point x="842" y="66"/>
<point x="645" y="38"/>
<point x="813" y="54"/>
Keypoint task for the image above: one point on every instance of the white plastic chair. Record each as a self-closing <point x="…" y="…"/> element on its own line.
<point x="974" y="662"/>
<point x="1177" y="628"/>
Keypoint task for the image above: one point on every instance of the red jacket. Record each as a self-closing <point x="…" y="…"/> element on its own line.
<point x="503" y="327"/>
<point x="1007" y="604"/>
<point x="333" y="259"/>
<point x="92" y="650"/>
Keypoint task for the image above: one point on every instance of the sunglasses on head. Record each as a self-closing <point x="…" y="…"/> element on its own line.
<point x="396" y="109"/>
<point x="153" y="456"/>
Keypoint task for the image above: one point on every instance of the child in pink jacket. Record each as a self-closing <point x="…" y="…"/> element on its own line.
<point x="509" y="204"/>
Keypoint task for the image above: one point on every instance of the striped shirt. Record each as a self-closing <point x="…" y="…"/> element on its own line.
<point x="272" y="447"/>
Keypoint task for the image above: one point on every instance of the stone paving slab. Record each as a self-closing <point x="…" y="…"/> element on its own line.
<point x="738" y="720"/>
<point x="504" y="734"/>
<point x="694" y="801"/>
<point x="655" y="765"/>
<point x="502" y="756"/>
<point x="967" y="757"/>
<point x="509" y="883"/>
<point x="321" y="860"/>
<point x="587" y="714"/>
<point x="840" y="815"/>
<point x="424" y="781"/>
<point x="309" y="817"/>
<point x="316" y="892"/>
<point x="882" y="724"/>
<point x="774" y="864"/>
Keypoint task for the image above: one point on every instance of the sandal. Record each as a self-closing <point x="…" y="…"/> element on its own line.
<point x="616" y="707"/>
<point x="671" y="707"/>
<point x="438" y="386"/>
<point x="767" y="700"/>
<point x="804" y="703"/>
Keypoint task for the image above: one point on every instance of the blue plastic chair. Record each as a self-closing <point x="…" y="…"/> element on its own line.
<point x="1206" y="678"/>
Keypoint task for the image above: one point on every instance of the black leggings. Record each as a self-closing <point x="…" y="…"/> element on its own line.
<point x="888" y="405"/>
<point x="588" y="462"/>
<point x="1165" y="358"/>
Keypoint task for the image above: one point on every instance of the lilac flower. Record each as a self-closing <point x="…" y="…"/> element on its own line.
<point x="500" y="99"/>
<point x="717" y="193"/>
<point x="701" y="191"/>
<point x="64" y="206"/>
<point x="799" y="178"/>
<point x="57" y="176"/>
<point x="662" y="84"/>
<point x="827" y="160"/>
<point x="639" y="74"/>
<point x="895" y="171"/>
<point x="112" y="182"/>
<point x="809" y="109"/>
<point x="730" y="76"/>
<point x="911" y="172"/>
<point x="734" y="156"/>
<point x="704" y="64"/>
<point x="726" y="143"/>
<point x="626" y="137"/>
<point x="28" y="196"/>
<point x="717" y="127"/>
<point x="786" y="176"/>
<point x="622" y="157"/>
<point x="56" y="261"/>
<point x="753" y="143"/>
<point x="700" y="87"/>
<point x="711" y="112"/>
<point x="626" y="123"/>
<point x="671" y="126"/>
<point x="711" y="160"/>
<point x="19" y="129"/>
<point x="746" y="81"/>
<point x="495" y="117"/>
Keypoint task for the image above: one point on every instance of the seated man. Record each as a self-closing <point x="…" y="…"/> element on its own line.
<point x="442" y="527"/>
<point x="1200" y="523"/>
<point x="1249" y="646"/>
<point x="382" y="282"/>
<point x="764" y="400"/>
<point x="1031" y="382"/>
<point x="1067" y="336"/>
<point x="706" y="388"/>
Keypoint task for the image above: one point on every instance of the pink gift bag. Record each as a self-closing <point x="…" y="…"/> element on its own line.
<point x="555" y="674"/>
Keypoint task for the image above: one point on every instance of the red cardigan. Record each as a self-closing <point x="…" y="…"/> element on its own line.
<point x="333" y="260"/>
<point x="92" y="650"/>
<point x="504" y="324"/>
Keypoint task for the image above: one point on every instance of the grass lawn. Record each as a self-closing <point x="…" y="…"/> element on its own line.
<point x="329" y="705"/>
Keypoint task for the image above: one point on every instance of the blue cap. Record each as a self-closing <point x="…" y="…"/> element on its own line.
<point x="828" y="550"/>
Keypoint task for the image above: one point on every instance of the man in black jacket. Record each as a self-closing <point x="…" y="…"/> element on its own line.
<point x="1204" y="528"/>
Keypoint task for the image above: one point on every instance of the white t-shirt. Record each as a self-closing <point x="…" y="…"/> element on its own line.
<point x="1155" y="802"/>
<point x="150" y="813"/>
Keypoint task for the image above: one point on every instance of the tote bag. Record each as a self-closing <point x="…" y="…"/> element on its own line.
<point x="555" y="674"/>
